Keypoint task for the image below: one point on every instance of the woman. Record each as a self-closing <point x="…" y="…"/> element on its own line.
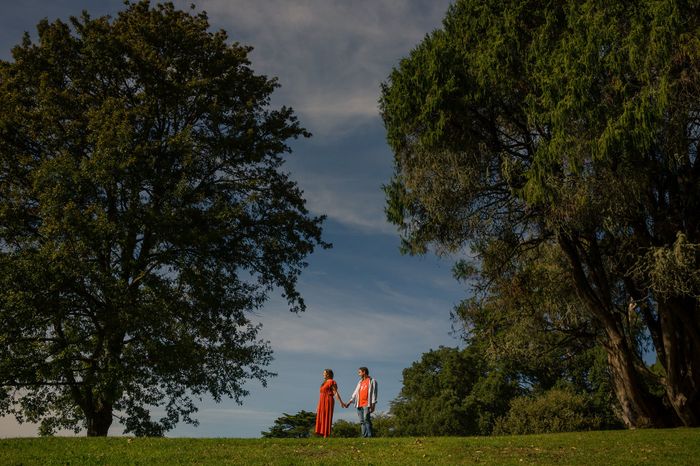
<point x="324" y="412"/>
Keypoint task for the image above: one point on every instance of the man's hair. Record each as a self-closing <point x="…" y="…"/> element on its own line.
<point x="364" y="369"/>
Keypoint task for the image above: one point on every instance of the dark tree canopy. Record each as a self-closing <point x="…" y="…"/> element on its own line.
<point x="143" y="213"/>
<point x="572" y="124"/>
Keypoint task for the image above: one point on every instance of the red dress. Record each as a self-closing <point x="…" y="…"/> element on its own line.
<point x="324" y="412"/>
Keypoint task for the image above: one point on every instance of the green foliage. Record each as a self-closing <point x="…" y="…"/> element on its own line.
<point x="525" y="313"/>
<point x="556" y="410"/>
<point x="451" y="392"/>
<point x="573" y="126"/>
<point x="673" y="268"/>
<point x="383" y="425"/>
<point x="143" y="214"/>
<point x="526" y="333"/>
<point x="299" y="425"/>
<point x="345" y="429"/>
<point x="530" y="323"/>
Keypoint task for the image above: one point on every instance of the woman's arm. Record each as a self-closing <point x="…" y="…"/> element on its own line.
<point x="337" y="395"/>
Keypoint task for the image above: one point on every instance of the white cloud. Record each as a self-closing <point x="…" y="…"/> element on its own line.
<point x="360" y="209"/>
<point x="356" y="334"/>
<point x="10" y="428"/>
<point x="330" y="55"/>
<point x="373" y="322"/>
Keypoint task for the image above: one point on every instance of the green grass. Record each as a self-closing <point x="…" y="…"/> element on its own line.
<point x="671" y="446"/>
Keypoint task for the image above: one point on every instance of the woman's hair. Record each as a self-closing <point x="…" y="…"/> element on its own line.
<point x="329" y="372"/>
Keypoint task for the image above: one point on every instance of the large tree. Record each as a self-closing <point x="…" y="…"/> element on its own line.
<point x="572" y="124"/>
<point x="143" y="214"/>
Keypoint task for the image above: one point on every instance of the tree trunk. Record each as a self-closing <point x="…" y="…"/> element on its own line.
<point x="99" y="420"/>
<point x="638" y="407"/>
<point x="682" y="362"/>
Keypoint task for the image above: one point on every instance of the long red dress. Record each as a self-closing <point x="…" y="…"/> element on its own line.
<point x="324" y="412"/>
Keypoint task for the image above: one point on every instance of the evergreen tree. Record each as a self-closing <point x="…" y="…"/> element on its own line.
<point x="299" y="425"/>
<point x="571" y="124"/>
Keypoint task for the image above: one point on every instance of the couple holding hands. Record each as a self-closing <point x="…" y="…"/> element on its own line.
<point x="364" y="397"/>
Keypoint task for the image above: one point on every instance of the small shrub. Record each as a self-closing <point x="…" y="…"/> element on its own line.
<point x="383" y="425"/>
<point x="556" y="410"/>
<point x="343" y="428"/>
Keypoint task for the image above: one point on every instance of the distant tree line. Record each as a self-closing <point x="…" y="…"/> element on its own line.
<point x="302" y="424"/>
<point x="453" y="391"/>
<point x="519" y="379"/>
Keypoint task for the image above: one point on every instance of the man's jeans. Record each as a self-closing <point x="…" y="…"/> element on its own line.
<point x="365" y="421"/>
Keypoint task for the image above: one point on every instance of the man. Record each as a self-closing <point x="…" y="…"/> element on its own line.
<point x="365" y="398"/>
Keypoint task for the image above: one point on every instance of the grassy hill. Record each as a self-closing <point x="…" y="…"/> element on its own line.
<point x="671" y="446"/>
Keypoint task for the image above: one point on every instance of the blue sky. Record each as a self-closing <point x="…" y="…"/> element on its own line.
<point x="367" y="304"/>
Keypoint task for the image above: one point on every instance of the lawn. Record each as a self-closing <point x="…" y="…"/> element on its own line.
<point x="671" y="446"/>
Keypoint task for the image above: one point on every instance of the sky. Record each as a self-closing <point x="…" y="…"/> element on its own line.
<point x="367" y="305"/>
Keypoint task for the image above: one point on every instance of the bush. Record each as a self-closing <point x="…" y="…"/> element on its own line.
<point x="556" y="410"/>
<point x="343" y="428"/>
<point x="383" y="425"/>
